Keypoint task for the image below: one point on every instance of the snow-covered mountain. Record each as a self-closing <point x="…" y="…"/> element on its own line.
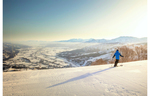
<point x="127" y="39"/>
<point x="73" y="40"/>
<point x="91" y="40"/>
<point x="122" y="39"/>
<point x="96" y="41"/>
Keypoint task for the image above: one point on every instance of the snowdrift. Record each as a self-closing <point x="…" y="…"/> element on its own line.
<point x="102" y="80"/>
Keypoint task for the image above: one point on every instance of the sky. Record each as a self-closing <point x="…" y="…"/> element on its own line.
<point x="52" y="20"/>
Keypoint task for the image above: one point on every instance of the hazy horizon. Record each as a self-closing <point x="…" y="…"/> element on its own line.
<point x="50" y="20"/>
<point x="21" y="42"/>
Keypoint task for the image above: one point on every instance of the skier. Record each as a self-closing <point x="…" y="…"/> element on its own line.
<point x="117" y="54"/>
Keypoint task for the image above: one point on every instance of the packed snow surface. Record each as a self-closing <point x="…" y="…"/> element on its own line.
<point x="102" y="80"/>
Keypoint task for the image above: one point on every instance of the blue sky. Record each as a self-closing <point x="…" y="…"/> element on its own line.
<point x="51" y="20"/>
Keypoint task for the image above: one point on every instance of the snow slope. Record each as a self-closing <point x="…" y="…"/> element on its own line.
<point x="101" y="80"/>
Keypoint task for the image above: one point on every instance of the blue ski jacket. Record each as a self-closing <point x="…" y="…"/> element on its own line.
<point x="117" y="54"/>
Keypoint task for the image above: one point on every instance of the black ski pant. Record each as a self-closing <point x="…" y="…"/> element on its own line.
<point x="116" y="62"/>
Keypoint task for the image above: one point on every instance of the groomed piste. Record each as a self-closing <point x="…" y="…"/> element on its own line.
<point x="102" y="80"/>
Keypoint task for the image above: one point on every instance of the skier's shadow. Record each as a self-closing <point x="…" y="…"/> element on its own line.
<point x="80" y="77"/>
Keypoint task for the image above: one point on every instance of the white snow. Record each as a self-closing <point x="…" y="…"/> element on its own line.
<point x="102" y="80"/>
<point x="38" y="53"/>
<point x="104" y="57"/>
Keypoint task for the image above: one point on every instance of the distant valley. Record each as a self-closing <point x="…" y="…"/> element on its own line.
<point x="68" y="53"/>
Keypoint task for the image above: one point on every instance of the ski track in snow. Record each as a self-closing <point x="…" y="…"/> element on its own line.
<point x="101" y="80"/>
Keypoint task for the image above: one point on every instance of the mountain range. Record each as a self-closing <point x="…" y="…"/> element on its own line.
<point x="121" y="39"/>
